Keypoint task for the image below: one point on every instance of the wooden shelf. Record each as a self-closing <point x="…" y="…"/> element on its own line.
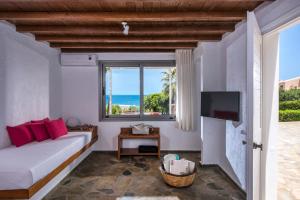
<point x="135" y="152"/>
<point x="139" y="136"/>
<point x="126" y="134"/>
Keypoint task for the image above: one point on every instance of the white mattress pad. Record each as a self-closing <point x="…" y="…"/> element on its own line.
<point x="23" y="166"/>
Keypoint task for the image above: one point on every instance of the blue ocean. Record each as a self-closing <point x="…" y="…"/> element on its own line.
<point x="124" y="99"/>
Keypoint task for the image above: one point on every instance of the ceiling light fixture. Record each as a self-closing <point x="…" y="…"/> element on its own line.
<point x="125" y="28"/>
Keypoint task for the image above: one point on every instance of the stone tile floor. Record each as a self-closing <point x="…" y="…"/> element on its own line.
<point x="288" y="147"/>
<point x="101" y="176"/>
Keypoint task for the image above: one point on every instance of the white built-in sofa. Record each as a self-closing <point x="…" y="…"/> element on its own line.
<point x="30" y="171"/>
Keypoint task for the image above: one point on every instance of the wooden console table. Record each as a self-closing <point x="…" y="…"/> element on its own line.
<point x="126" y="133"/>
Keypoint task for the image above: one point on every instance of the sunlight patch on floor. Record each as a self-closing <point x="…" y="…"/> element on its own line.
<point x="288" y="148"/>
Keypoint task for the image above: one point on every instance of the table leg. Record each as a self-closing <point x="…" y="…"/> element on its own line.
<point x="119" y="149"/>
<point x="158" y="148"/>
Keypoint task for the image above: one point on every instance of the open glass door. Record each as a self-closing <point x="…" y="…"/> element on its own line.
<point x="254" y="107"/>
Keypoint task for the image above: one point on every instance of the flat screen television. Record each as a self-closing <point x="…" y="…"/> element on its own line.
<point x="221" y="105"/>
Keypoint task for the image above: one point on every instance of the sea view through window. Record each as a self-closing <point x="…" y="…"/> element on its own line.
<point x="138" y="91"/>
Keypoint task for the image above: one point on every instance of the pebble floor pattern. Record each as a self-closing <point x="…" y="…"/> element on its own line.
<point x="101" y="176"/>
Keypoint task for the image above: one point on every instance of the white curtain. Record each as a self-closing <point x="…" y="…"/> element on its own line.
<point x="185" y="87"/>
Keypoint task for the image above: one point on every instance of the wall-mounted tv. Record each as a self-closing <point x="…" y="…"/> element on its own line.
<point x="221" y="105"/>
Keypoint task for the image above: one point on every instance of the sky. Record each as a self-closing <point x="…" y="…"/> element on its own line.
<point x="289" y="54"/>
<point x="127" y="81"/>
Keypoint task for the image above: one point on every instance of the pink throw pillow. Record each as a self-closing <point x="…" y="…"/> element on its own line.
<point x="39" y="131"/>
<point x="56" y="128"/>
<point x="20" y="135"/>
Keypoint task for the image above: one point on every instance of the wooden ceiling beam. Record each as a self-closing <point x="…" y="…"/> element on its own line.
<point x="127" y="5"/>
<point x="135" y="30"/>
<point x="127" y="39"/>
<point x="125" y="16"/>
<point x="96" y="50"/>
<point x="169" y="45"/>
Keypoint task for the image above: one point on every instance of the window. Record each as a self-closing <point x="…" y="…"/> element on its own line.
<point x="138" y="90"/>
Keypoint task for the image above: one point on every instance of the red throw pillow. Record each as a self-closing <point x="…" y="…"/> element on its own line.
<point x="39" y="131"/>
<point x="40" y="121"/>
<point x="62" y="125"/>
<point x="20" y="135"/>
<point x="56" y="128"/>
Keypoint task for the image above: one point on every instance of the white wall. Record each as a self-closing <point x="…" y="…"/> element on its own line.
<point x="55" y="85"/>
<point x="213" y="79"/>
<point x="25" y="80"/>
<point x="234" y="47"/>
<point x="3" y="138"/>
<point x="80" y="99"/>
<point x="224" y="69"/>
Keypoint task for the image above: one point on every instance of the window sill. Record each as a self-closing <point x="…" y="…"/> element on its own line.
<point x="133" y="119"/>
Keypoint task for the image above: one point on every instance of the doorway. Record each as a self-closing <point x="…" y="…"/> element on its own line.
<point x="288" y="143"/>
<point x="263" y="108"/>
<point x="272" y="62"/>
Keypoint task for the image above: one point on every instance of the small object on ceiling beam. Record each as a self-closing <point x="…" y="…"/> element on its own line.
<point x="125" y="28"/>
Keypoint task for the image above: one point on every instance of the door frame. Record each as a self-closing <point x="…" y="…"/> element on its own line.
<point x="254" y="41"/>
<point x="267" y="193"/>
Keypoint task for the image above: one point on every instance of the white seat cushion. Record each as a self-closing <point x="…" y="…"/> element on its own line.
<point x="22" y="167"/>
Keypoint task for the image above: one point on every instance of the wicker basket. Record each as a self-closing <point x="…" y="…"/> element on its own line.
<point x="177" y="180"/>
